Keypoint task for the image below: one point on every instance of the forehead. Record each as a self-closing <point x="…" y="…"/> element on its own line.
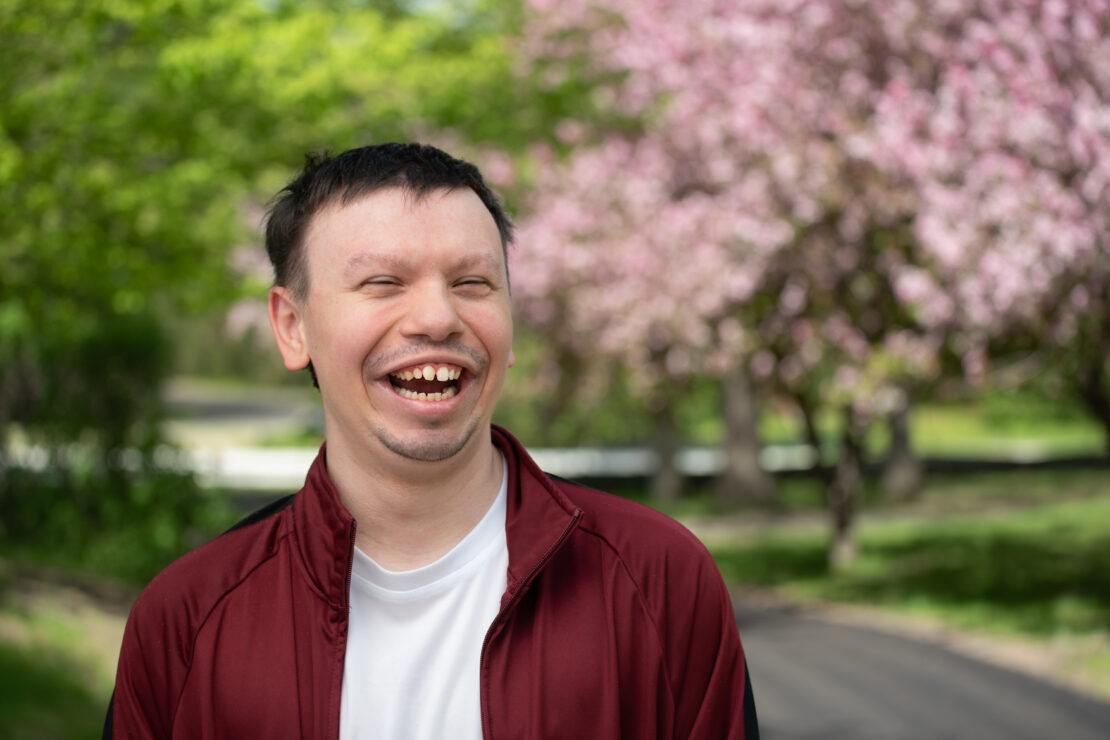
<point x="395" y="225"/>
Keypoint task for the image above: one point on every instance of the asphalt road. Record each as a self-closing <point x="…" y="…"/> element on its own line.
<point x="815" y="679"/>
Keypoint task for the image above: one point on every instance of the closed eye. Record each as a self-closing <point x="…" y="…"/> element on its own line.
<point x="474" y="284"/>
<point x="379" y="283"/>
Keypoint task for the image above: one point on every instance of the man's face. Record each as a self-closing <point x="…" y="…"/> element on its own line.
<point x="407" y="320"/>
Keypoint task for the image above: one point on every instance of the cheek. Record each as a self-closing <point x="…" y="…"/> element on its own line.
<point x="494" y="326"/>
<point x="345" y="337"/>
<point x="497" y="336"/>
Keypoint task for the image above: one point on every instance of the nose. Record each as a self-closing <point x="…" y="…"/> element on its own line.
<point x="431" y="314"/>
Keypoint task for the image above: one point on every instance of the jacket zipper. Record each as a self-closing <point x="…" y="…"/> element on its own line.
<point x="346" y="626"/>
<point x="350" y="563"/>
<point x="501" y="615"/>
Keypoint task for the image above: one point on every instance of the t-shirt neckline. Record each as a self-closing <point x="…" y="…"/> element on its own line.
<point x="489" y="530"/>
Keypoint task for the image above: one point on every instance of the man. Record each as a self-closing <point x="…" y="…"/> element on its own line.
<point x="429" y="581"/>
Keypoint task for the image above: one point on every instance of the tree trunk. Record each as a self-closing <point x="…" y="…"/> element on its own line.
<point x="666" y="483"/>
<point x="902" y="472"/>
<point x="843" y="493"/>
<point x="808" y="410"/>
<point x="562" y="398"/>
<point x="7" y="486"/>
<point x="1093" y="390"/>
<point x="1092" y="347"/>
<point x="742" y="477"/>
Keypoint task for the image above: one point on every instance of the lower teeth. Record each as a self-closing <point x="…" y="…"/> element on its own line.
<point x="426" y="396"/>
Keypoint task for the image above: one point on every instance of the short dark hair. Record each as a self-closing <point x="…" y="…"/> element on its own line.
<point x="419" y="168"/>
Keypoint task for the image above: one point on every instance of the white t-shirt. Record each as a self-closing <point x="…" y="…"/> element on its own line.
<point x="415" y="638"/>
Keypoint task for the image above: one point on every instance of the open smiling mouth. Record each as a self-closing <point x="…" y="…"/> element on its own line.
<point x="427" y="382"/>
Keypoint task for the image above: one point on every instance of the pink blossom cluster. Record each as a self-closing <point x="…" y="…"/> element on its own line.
<point x="580" y="264"/>
<point x="827" y="189"/>
<point x="1006" y="135"/>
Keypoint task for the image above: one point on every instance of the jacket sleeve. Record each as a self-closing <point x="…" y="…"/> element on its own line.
<point x="151" y="671"/>
<point x="712" y="690"/>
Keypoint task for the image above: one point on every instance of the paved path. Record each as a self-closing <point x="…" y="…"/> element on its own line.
<point x="814" y="679"/>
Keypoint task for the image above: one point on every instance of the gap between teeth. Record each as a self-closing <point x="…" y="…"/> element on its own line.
<point x="426" y="396"/>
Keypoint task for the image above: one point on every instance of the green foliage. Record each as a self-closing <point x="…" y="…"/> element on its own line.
<point x="90" y="380"/>
<point x="275" y="81"/>
<point x="106" y="521"/>
<point x="109" y="219"/>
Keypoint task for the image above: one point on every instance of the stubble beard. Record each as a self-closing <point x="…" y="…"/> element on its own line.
<point x="428" y="450"/>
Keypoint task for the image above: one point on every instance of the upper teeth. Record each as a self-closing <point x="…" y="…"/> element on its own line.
<point x="442" y="373"/>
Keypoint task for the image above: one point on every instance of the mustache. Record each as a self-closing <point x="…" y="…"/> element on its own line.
<point x="380" y="364"/>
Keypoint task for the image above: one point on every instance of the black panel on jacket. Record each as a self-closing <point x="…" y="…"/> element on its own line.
<point x="751" y="723"/>
<point x="265" y="512"/>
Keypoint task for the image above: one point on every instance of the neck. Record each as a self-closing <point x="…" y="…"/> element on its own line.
<point x="409" y="512"/>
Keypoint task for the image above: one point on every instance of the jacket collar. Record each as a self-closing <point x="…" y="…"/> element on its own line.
<point x="538" y="517"/>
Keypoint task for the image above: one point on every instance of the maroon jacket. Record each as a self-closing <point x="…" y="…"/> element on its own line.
<point x="614" y="623"/>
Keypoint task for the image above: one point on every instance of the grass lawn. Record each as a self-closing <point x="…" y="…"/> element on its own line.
<point x="42" y="696"/>
<point x="56" y="664"/>
<point x="1040" y="571"/>
<point x="799" y="498"/>
<point x="986" y="429"/>
<point x="1005" y="554"/>
<point x="994" y="425"/>
<point x="1027" y="552"/>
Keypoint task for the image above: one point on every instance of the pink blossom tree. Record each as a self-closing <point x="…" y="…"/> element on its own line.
<point x="818" y="192"/>
<point x="653" y="300"/>
<point x="731" y="227"/>
<point x="1005" y="132"/>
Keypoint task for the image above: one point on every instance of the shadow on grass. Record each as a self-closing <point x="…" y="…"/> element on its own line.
<point x="773" y="562"/>
<point x="1038" y="581"/>
<point x="42" y="697"/>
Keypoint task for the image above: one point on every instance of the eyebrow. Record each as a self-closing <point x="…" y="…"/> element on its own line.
<point x="397" y="264"/>
<point x="371" y="258"/>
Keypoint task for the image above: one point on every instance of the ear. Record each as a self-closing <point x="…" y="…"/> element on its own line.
<point x="288" y="327"/>
<point x="512" y="357"/>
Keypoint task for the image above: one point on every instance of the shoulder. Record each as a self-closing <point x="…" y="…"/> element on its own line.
<point x="175" y="604"/>
<point x="667" y="569"/>
<point x="673" y="578"/>
<point x="628" y="525"/>
<point x="156" y="654"/>
<point x="655" y="549"/>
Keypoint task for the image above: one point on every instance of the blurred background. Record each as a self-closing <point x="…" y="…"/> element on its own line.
<point x="828" y="280"/>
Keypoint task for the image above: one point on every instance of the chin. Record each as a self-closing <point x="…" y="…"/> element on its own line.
<point x="427" y="445"/>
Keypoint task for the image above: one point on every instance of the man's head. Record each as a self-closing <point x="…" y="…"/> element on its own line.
<point x="416" y="168"/>
<point x="392" y="283"/>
